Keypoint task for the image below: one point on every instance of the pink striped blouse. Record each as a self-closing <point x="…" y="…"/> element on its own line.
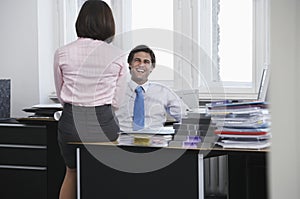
<point x="89" y="73"/>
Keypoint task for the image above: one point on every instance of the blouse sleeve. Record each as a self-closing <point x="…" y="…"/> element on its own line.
<point x="58" y="80"/>
<point x="121" y="85"/>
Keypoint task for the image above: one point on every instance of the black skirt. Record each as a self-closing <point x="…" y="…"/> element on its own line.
<point x="85" y="124"/>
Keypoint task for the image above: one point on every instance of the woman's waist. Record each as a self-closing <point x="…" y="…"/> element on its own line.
<point x="88" y="102"/>
<point x="84" y="106"/>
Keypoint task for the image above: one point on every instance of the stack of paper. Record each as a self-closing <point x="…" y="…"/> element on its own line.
<point x="44" y="111"/>
<point x="156" y="138"/>
<point x="244" y="141"/>
<point x="242" y="125"/>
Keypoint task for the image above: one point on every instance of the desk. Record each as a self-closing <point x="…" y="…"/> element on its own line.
<point x="183" y="178"/>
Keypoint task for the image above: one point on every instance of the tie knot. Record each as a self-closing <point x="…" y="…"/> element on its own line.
<point x="139" y="89"/>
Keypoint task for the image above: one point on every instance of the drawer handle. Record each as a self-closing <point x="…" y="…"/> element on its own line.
<point x="23" y="167"/>
<point x="23" y="146"/>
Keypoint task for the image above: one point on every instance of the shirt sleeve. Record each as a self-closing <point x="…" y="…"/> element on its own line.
<point x="175" y="107"/>
<point x="58" y="80"/>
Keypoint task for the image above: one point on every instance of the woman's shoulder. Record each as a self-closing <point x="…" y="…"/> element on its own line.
<point x="67" y="46"/>
<point x="113" y="48"/>
<point x="114" y="53"/>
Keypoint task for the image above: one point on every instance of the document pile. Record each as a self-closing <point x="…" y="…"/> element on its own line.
<point x="241" y="125"/>
<point x="191" y="131"/>
<point x="45" y="111"/>
<point x="154" y="138"/>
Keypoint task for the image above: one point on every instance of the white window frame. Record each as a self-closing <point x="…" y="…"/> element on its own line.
<point x="188" y="14"/>
<point x="191" y="13"/>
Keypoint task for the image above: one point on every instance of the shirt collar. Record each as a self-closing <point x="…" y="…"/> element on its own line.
<point x="133" y="85"/>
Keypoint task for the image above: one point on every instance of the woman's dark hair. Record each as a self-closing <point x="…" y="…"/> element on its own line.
<point x="141" y="48"/>
<point x="95" y="20"/>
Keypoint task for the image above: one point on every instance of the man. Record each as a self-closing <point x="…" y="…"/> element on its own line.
<point x="157" y="100"/>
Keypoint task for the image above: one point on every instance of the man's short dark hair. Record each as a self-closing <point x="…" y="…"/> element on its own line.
<point x="141" y="48"/>
<point x="95" y="20"/>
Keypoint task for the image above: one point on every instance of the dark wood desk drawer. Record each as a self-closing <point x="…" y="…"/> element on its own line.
<point x="30" y="162"/>
<point x="23" y="183"/>
<point x="23" y="134"/>
<point x="24" y="155"/>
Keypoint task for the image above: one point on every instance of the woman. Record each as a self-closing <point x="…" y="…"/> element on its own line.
<point x="90" y="80"/>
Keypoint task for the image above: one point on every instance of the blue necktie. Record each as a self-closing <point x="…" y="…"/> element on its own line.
<point x="138" y="110"/>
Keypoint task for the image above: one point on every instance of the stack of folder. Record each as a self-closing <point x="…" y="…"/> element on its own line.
<point x="44" y="111"/>
<point x="241" y="125"/>
<point x="147" y="137"/>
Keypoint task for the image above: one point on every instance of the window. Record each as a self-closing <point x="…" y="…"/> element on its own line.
<point x="154" y="19"/>
<point x="217" y="46"/>
<point x="236" y="40"/>
<point x="216" y="56"/>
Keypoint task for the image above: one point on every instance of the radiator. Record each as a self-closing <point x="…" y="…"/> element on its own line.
<point x="215" y="176"/>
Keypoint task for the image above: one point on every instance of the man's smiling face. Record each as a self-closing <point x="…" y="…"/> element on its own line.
<point x="141" y="67"/>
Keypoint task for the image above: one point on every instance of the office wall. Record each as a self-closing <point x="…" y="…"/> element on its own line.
<point x="285" y="99"/>
<point x="28" y="37"/>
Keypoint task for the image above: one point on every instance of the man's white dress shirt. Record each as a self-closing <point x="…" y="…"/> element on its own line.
<point x="159" y="101"/>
